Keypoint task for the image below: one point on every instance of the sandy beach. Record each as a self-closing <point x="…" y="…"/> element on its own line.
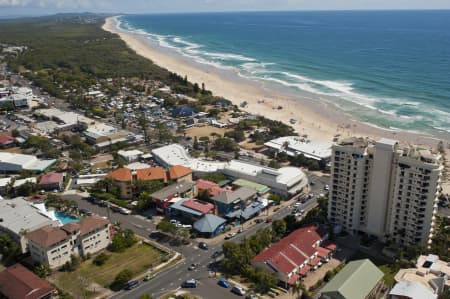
<point x="314" y="118"/>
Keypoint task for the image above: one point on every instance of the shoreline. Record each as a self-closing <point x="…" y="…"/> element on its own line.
<point x="319" y="120"/>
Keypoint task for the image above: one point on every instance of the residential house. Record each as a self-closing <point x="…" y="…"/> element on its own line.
<point x="6" y="140"/>
<point x="359" y="279"/>
<point x="152" y="174"/>
<point x="213" y="188"/>
<point x="294" y="256"/>
<point x="52" y="181"/>
<point x="53" y="246"/>
<point x="131" y="155"/>
<point x="17" y="282"/>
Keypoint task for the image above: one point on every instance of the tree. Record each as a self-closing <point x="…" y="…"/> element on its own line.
<point x="42" y="270"/>
<point x="195" y="145"/>
<point x="121" y="279"/>
<point x="279" y="227"/>
<point x="9" y="249"/>
<point x="123" y="239"/>
<point x="100" y="259"/>
<point x="298" y="288"/>
<point x="167" y="227"/>
<point x="145" y="296"/>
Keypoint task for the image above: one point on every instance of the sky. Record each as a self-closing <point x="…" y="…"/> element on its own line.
<point x="39" y="7"/>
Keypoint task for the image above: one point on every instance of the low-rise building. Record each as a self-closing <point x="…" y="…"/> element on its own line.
<point x="430" y="271"/>
<point x="296" y="145"/>
<point x="229" y="201"/>
<point x="17" y="282"/>
<point x="294" y="256"/>
<point x="411" y="290"/>
<point x="53" y="246"/>
<point x="190" y="209"/>
<point x="11" y="162"/>
<point x="165" y="195"/>
<point x="6" y="140"/>
<point x="209" y="225"/>
<point x="359" y="279"/>
<point x="286" y="181"/>
<point x="52" y="181"/>
<point x="19" y="216"/>
<point x="178" y="173"/>
<point x="131" y="155"/>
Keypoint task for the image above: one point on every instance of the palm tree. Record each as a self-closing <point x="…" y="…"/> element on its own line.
<point x="298" y="289"/>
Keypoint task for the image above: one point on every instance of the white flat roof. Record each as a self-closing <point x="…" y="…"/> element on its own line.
<point x="297" y="145"/>
<point x="175" y="154"/>
<point x="68" y="117"/>
<point x="130" y="153"/>
<point x="18" y="214"/>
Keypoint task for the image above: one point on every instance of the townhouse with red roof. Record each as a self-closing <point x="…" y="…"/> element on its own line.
<point x="291" y="258"/>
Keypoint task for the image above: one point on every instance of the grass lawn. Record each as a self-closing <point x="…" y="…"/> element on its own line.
<point x="138" y="259"/>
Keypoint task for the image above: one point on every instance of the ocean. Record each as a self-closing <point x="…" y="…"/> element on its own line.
<point x="387" y="68"/>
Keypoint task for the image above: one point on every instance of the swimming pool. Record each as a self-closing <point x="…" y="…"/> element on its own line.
<point x="65" y="218"/>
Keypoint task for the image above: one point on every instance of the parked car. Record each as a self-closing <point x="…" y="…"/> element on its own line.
<point x="124" y="211"/>
<point x="229" y="236"/>
<point x="203" y="245"/>
<point x="190" y="283"/>
<point x="193" y="266"/>
<point x="238" y="290"/>
<point x="268" y="220"/>
<point x="131" y="285"/>
<point x="251" y="296"/>
<point x="224" y="283"/>
<point x="148" y="277"/>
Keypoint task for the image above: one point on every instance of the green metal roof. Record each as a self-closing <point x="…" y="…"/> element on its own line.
<point x="258" y="187"/>
<point x="355" y="281"/>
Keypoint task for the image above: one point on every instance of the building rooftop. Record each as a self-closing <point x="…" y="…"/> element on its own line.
<point x="242" y="193"/>
<point x="358" y="142"/>
<point x="178" y="171"/>
<point x="355" y="281"/>
<point x="295" y="145"/>
<point x="170" y="190"/>
<point x="121" y="174"/>
<point x="130" y="153"/>
<point x="151" y="174"/>
<point x="208" y="223"/>
<point x="292" y="251"/>
<point x="47" y="236"/>
<point x="100" y="130"/>
<point x="412" y="290"/>
<point x="199" y="206"/>
<point x="27" y="162"/>
<point x="261" y="189"/>
<point x="17" y="282"/>
<point x="19" y="215"/>
<point x="51" y="178"/>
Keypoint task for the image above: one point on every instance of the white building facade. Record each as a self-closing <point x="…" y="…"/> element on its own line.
<point x="384" y="190"/>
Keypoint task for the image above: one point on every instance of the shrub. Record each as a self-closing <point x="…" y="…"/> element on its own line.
<point x="121" y="279"/>
<point x="100" y="259"/>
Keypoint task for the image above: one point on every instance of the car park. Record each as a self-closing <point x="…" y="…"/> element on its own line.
<point x="190" y="283"/>
<point x="238" y="290"/>
<point x="131" y="285"/>
<point x="223" y="283"/>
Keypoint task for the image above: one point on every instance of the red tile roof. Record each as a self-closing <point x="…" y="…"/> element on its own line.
<point x="329" y="245"/>
<point x="199" y="206"/>
<point x="151" y="174"/>
<point x="213" y="188"/>
<point x="51" y="178"/>
<point x="304" y="270"/>
<point x="90" y="224"/>
<point x="315" y="261"/>
<point x="121" y="174"/>
<point x="6" y="139"/>
<point x="17" y="282"/>
<point x="291" y="251"/>
<point x="47" y="236"/>
<point x="293" y="279"/>
<point x="323" y="252"/>
<point x="178" y="171"/>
